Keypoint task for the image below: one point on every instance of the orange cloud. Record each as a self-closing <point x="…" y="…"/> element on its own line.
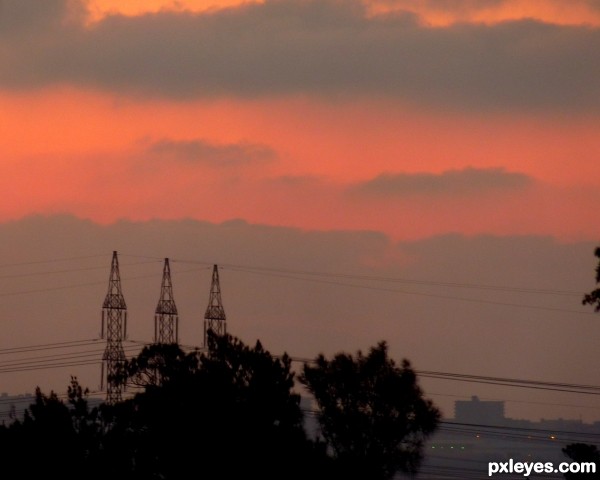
<point x="100" y="8"/>
<point x="443" y="13"/>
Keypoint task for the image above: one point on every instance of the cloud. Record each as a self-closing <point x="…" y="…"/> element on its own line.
<point x="307" y="292"/>
<point x="31" y="16"/>
<point x="595" y="4"/>
<point x="201" y="152"/>
<point x="450" y="6"/>
<point x="319" y="47"/>
<point x="468" y="181"/>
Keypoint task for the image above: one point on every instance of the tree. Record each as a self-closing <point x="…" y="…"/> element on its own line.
<point x="54" y="438"/>
<point x="230" y="410"/>
<point x="372" y="413"/>
<point x="582" y="452"/>
<point x="593" y="298"/>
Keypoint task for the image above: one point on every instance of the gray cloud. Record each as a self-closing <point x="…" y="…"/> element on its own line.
<point x="452" y="182"/>
<point x="593" y="3"/>
<point x="321" y="47"/>
<point x="452" y="6"/>
<point x="20" y="16"/>
<point x="362" y="288"/>
<point x="201" y="152"/>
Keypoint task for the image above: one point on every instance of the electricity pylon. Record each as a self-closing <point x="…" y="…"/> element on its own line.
<point x="114" y="319"/>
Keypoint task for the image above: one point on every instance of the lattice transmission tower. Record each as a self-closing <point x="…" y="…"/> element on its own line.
<point x="214" y="318"/>
<point x="166" y="320"/>
<point x="114" y="329"/>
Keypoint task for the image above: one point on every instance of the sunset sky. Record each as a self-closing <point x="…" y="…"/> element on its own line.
<point x="465" y="116"/>
<point x="406" y="120"/>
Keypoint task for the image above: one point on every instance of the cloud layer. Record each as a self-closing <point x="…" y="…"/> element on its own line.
<point x="199" y="151"/>
<point x="438" y="301"/>
<point x="320" y="47"/>
<point x="468" y="181"/>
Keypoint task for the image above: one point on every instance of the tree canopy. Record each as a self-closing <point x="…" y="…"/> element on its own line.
<point x="593" y="297"/>
<point x="230" y="411"/>
<point x="52" y="436"/>
<point x="372" y="413"/>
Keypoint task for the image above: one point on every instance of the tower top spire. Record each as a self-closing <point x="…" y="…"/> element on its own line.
<point x="214" y="318"/>
<point x="114" y="297"/>
<point x="166" y="302"/>
<point x="215" y="310"/>
<point x="166" y="320"/>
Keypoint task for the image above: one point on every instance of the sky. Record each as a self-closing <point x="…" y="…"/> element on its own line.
<point x="451" y="145"/>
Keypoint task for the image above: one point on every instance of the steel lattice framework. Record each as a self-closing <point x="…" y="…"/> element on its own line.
<point x="166" y="320"/>
<point x="214" y="318"/>
<point x="114" y="329"/>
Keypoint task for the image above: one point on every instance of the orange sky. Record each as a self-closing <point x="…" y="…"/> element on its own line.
<point x="75" y="149"/>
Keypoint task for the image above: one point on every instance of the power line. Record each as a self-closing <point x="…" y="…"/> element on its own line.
<point x="71" y="270"/>
<point x="373" y="278"/>
<point x="513" y="382"/>
<point x="378" y="278"/>
<point x="421" y="294"/>
<point x="321" y="277"/>
<point x="48" y="346"/>
<point x="536" y="385"/>
<point x="53" y="260"/>
<point x="61" y="356"/>
<point x="504" y="381"/>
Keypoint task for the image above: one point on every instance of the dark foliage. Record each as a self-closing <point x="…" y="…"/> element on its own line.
<point x="593" y="298"/>
<point x="372" y="413"/>
<point x="582" y="452"/>
<point x="229" y="412"/>
<point x="53" y="436"/>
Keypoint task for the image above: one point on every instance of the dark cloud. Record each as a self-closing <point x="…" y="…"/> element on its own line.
<point x="322" y="47"/>
<point x="451" y="6"/>
<point x="201" y="152"/>
<point x="32" y="16"/>
<point x="451" y="182"/>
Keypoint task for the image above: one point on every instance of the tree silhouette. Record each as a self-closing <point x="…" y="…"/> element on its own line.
<point x="372" y="413"/>
<point x="593" y="298"/>
<point x="582" y="452"/>
<point x="52" y="439"/>
<point x="230" y="410"/>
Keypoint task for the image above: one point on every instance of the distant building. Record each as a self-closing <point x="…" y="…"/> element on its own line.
<point x="478" y="412"/>
<point x="480" y="433"/>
